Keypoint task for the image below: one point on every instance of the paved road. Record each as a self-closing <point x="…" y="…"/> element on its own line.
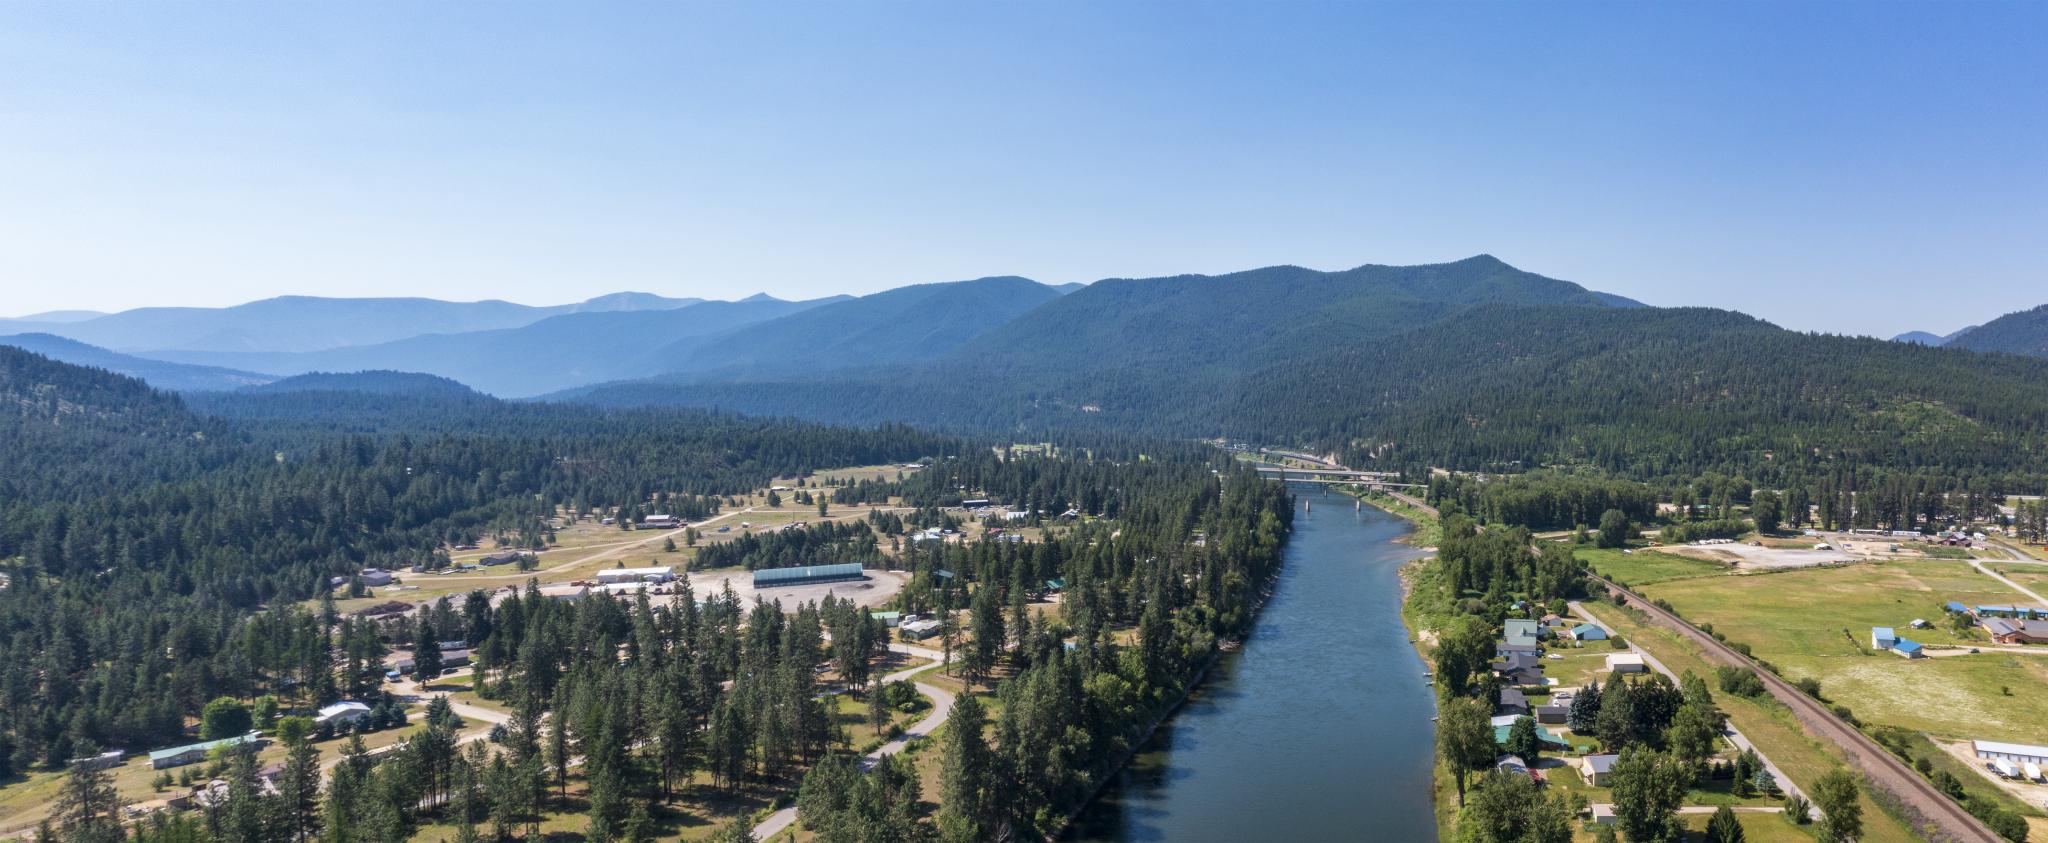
<point x="1979" y="565"/>
<point x="942" y="708"/>
<point x="1730" y="732"/>
<point x="1883" y="769"/>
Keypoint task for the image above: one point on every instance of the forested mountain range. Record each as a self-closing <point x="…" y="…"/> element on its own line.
<point x="132" y="526"/>
<point x="2025" y="332"/>
<point x="1646" y="392"/>
<point x="307" y="323"/>
<point x="161" y="374"/>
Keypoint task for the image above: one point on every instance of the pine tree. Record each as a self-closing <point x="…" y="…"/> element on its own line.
<point x="86" y="806"/>
<point x="1724" y="827"/>
<point x="967" y="779"/>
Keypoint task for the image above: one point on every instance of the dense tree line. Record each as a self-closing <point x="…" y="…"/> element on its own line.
<point x="138" y="537"/>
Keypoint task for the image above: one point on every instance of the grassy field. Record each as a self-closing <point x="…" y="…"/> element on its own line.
<point x="1428" y="530"/>
<point x="1641" y="566"/>
<point x="1771" y="726"/>
<point x="1816" y="623"/>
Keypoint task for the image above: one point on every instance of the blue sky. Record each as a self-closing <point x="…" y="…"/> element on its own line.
<point x="1858" y="168"/>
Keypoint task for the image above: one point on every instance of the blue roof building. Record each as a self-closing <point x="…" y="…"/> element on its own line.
<point x="1882" y="638"/>
<point x="1909" y="649"/>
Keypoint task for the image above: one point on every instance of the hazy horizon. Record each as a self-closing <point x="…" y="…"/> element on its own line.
<point x="1836" y="167"/>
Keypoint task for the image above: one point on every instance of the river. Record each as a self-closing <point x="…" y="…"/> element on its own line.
<point x="1318" y="729"/>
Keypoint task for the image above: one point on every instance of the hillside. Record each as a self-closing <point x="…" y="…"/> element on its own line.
<point x="308" y="323"/>
<point x="906" y="324"/>
<point x="68" y="430"/>
<point x="160" y="374"/>
<point x="2025" y="332"/>
<point x="1477" y="371"/>
<point x="378" y="382"/>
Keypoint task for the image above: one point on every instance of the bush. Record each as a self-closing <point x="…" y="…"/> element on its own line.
<point x="1614" y="642"/>
<point x="1739" y="681"/>
<point x="1809" y="686"/>
<point x="1798" y="810"/>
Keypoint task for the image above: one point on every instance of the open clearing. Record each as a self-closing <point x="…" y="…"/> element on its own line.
<point x="1816" y="623"/>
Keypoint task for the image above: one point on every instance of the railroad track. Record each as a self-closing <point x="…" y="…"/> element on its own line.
<point x="1884" y="769"/>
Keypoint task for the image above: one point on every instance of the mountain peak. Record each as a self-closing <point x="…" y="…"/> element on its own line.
<point x="760" y="297"/>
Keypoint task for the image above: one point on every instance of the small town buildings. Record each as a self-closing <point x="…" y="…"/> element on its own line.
<point x="2006" y="631"/>
<point x="568" y="592"/>
<point x="1505" y="649"/>
<point x="1595" y="769"/>
<point x="1626" y="663"/>
<point x="2011" y="612"/>
<point x="1909" y="649"/>
<point x="888" y="619"/>
<point x="1548" y="739"/>
<point x="1512" y="701"/>
<point x="1553" y="713"/>
<point x="501" y="558"/>
<point x="661" y="522"/>
<point x="808" y="575"/>
<point x="1882" y="638"/>
<point x="179" y="756"/>
<point x="1957" y="607"/>
<point x="664" y="573"/>
<point x="1586" y="632"/>
<point x="1521" y="631"/>
<point x="1512" y="764"/>
<point x="920" y="630"/>
<point x="344" y="713"/>
<point x="1519" y="669"/>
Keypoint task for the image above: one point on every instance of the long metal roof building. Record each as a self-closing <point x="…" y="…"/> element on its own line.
<point x="805" y="575"/>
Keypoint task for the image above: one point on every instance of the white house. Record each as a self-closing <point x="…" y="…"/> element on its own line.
<point x="341" y="713"/>
<point x="661" y="521"/>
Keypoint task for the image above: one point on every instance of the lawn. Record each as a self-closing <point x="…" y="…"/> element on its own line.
<point x="1816" y="623"/>
<point x="1771" y="726"/>
<point x="1641" y="566"/>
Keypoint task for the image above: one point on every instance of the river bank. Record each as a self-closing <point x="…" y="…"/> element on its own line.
<point x="1320" y="705"/>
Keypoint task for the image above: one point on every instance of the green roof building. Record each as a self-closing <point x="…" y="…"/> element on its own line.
<point x="181" y="755"/>
<point x="807" y="575"/>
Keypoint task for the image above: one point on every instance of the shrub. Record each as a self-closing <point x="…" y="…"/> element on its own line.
<point x="1809" y="686"/>
<point x="1739" y="681"/>
<point x="1798" y="810"/>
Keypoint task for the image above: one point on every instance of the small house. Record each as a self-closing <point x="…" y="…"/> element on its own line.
<point x="564" y="592"/>
<point x="1595" y="769"/>
<point x="920" y="630"/>
<point x="1521" y="631"/>
<point x="1512" y="701"/>
<point x="1909" y="649"/>
<point x="503" y="558"/>
<point x="179" y="756"/>
<point x="1512" y="764"/>
<point x="888" y="619"/>
<point x="1505" y="649"/>
<point x="1553" y="713"/>
<point x="1882" y="638"/>
<point x="344" y="713"/>
<point x="661" y="522"/>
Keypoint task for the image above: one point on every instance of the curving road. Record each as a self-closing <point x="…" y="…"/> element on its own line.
<point x="942" y="708"/>
<point x="1884" y="769"/>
